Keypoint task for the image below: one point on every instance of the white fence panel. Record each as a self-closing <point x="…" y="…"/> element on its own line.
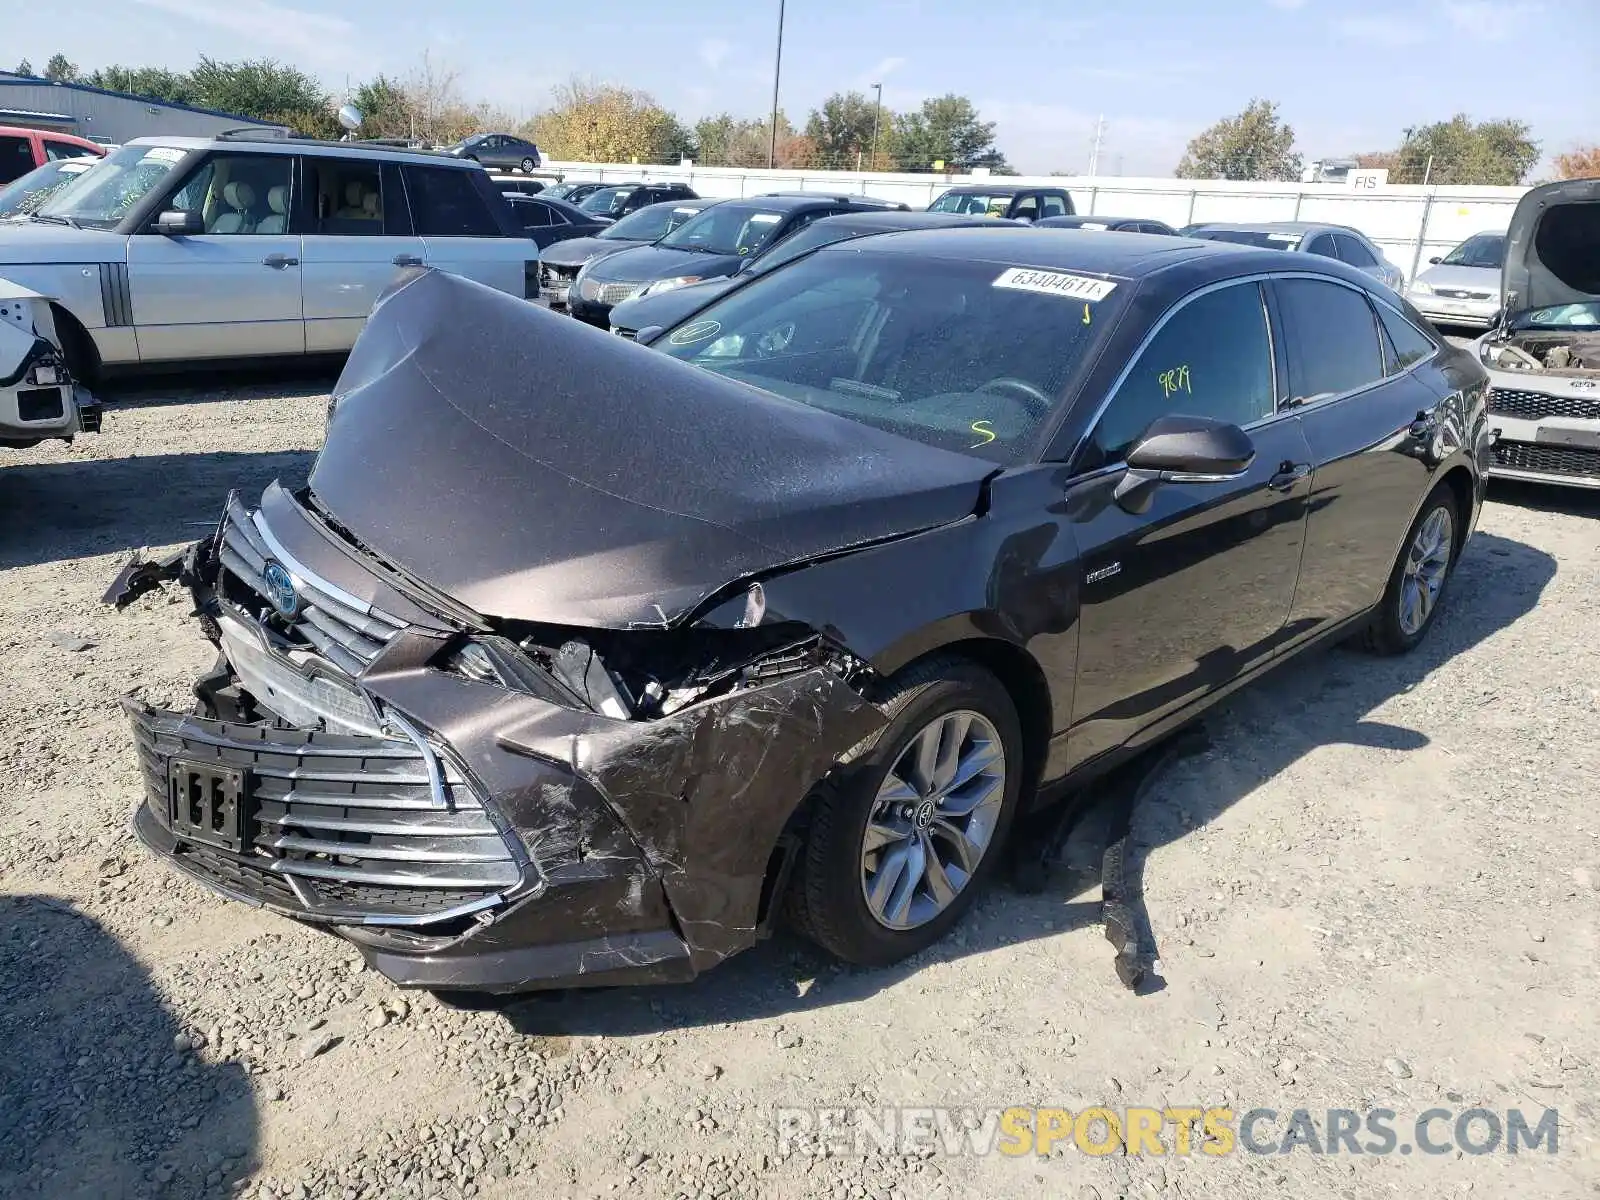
<point x="1410" y="223"/>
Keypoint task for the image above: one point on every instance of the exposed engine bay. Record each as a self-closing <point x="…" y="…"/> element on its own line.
<point x="1564" y="353"/>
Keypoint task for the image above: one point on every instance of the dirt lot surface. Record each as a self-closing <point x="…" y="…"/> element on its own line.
<point x="1377" y="889"/>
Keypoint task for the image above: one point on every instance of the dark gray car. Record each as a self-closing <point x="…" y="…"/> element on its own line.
<point x="712" y="246"/>
<point x="674" y="305"/>
<point x="559" y="265"/>
<point x="506" y="151"/>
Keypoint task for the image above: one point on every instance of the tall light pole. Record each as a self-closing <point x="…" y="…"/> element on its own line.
<point x="777" y="68"/>
<point x="876" y="113"/>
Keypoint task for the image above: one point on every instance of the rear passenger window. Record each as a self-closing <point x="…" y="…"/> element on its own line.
<point x="1353" y="252"/>
<point x="347" y="197"/>
<point x="1409" y="344"/>
<point x="1054" y="206"/>
<point x="445" y="204"/>
<point x="1322" y="244"/>
<point x="1213" y="358"/>
<point x="1332" y="338"/>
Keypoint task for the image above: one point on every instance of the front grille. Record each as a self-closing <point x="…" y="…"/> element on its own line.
<point x="336" y="826"/>
<point x="616" y="293"/>
<point x="1531" y="406"/>
<point x="1549" y="460"/>
<point x="345" y="630"/>
<point x="1459" y="294"/>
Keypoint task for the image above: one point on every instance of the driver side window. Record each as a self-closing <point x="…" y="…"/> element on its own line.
<point x="1213" y="358"/>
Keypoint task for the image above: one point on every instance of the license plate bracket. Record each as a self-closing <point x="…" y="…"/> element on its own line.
<point x="1568" y="435"/>
<point x="208" y="803"/>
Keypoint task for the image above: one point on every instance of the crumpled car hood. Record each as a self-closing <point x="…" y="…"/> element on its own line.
<point x="44" y="242"/>
<point x="1553" y="248"/>
<point x="533" y="468"/>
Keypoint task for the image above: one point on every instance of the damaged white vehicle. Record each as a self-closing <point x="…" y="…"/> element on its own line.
<point x="39" y="399"/>
<point x="1543" y="356"/>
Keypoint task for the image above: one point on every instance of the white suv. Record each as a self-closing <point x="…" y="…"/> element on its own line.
<point x="248" y="245"/>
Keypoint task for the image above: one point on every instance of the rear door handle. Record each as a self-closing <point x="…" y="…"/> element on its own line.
<point x="279" y="261"/>
<point x="407" y="260"/>
<point x="1288" y="475"/>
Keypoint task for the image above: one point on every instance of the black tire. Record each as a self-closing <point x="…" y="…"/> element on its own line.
<point x="1387" y="634"/>
<point x="827" y="902"/>
<point x="529" y="166"/>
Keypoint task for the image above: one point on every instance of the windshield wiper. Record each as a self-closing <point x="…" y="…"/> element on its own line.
<point x="54" y="220"/>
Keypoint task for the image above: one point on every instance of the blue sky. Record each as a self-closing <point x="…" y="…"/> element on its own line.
<point x="1349" y="75"/>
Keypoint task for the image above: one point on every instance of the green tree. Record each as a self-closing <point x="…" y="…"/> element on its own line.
<point x="1458" y="151"/>
<point x="603" y="122"/>
<point x="385" y="109"/>
<point x="24" y="68"/>
<point x="1253" y="144"/>
<point x="841" y="132"/>
<point x="60" y="69"/>
<point x="152" y="83"/>
<point x="261" y="88"/>
<point x="948" y="129"/>
<point x="728" y="141"/>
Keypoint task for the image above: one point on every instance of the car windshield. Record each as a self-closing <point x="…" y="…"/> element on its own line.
<point x="24" y="196"/>
<point x="965" y="356"/>
<point x="820" y="233"/>
<point x="560" y="190"/>
<point x="1270" y="239"/>
<point x="1562" y="316"/>
<point x="973" y="203"/>
<point x="649" y="223"/>
<point x="1484" y="250"/>
<point x="741" y="229"/>
<point x="606" y="200"/>
<point x="102" y="195"/>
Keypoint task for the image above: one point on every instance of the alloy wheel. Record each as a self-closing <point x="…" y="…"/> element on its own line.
<point x="933" y="819"/>
<point x="1427" y="564"/>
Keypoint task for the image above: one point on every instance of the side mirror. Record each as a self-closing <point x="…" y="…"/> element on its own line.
<point x="1436" y="259"/>
<point x="649" y="334"/>
<point x="180" y="223"/>
<point x="1181" y="449"/>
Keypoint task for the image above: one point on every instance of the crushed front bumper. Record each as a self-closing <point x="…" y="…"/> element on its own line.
<point x="466" y="836"/>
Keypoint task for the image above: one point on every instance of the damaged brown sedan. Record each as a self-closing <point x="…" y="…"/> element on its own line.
<point x="587" y="680"/>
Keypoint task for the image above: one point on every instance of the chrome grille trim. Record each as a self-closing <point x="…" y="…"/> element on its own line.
<point x="1532" y="406"/>
<point x="346" y="630"/>
<point x="405" y="839"/>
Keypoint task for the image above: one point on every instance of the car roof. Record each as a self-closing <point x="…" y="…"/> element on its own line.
<point x="799" y="201"/>
<point x="894" y="219"/>
<point x="1279" y="226"/>
<point x="1000" y="189"/>
<point x="1069" y="222"/>
<point x="267" y="141"/>
<point x="1129" y="255"/>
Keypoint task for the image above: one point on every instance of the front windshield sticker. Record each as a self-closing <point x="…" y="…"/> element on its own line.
<point x="1055" y="283"/>
<point x="1283" y="237"/>
<point x="166" y="154"/>
<point x="765" y="219"/>
<point x="695" y="331"/>
<point x="1093" y="225"/>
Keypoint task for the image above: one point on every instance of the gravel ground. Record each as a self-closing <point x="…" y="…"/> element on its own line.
<point x="1377" y="888"/>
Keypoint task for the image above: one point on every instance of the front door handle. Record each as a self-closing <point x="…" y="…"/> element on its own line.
<point x="1289" y="474"/>
<point x="407" y="260"/>
<point x="279" y="261"/>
